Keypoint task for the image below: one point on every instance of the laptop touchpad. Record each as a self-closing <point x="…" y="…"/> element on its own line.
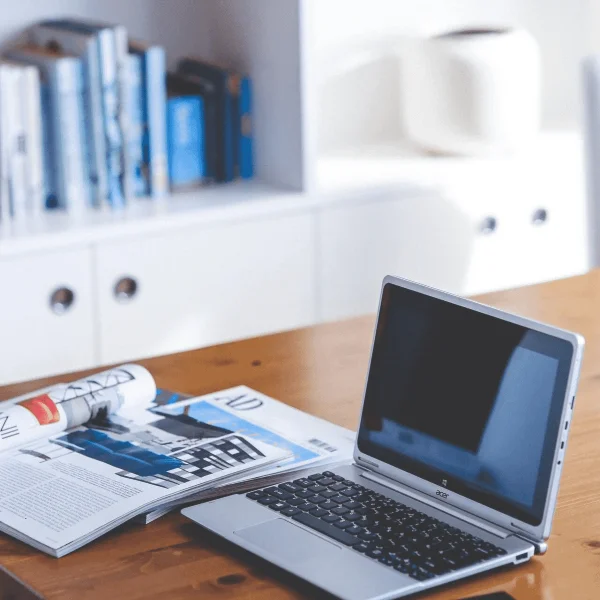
<point x="286" y="540"/>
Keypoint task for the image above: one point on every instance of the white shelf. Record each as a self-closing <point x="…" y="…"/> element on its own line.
<point x="405" y="168"/>
<point x="227" y="202"/>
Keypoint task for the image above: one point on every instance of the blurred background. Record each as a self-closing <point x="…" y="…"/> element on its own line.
<point x="150" y="205"/>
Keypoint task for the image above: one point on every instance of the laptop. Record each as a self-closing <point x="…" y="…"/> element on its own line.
<point x="457" y="462"/>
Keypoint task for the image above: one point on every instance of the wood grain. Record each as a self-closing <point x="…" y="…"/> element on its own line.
<point x="321" y="370"/>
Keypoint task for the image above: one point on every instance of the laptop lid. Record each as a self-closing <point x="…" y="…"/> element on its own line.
<point x="469" y="404"/>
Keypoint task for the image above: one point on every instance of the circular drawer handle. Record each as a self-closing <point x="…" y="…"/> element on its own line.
<point x="488" y="225"/>
<point x="125" y="289"/>
<point x="539" y="217"/>
<point x="61" y="300"/>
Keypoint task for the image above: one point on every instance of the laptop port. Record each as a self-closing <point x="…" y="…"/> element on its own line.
<point x="522" y="556"/>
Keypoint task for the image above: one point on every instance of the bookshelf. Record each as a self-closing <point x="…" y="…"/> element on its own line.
<point x="338" y="200"/>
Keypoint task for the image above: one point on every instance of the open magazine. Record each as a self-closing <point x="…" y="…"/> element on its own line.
<point x="77" y="460"/>
<point x="310" y="441"/>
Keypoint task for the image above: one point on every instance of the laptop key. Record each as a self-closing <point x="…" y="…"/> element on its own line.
<point x="328" y="474"/>
<point x="316" y="489"/>
<point x="342" y="524"/>
<point x="374" y="553"/>
<point x="318" y="512"/>
<point x="280" y="494"/>
<point x="304" y="494"/>
<point x="317" y="499"/>
<point x="328" y="494"/>
<point x="336" y="487"/>
<point x="296" y="501"/>
<point x="339" y="510"/>
<point x="316" y="476"/>
<point x="290" y="512"/>
<point x="303" y="482"/>
<point x="362" y="547"/>
<point x="350" y="492"/>
<point x="326" y="481"/>
<point x="331" y="518"/>
<point x="353" y="505"/>
<point x="337" y="477"/>
<point x="354" y="530"/>
<point x="328" y="505"/>
<point x="340" y="499"/>
<point x="255" y="495"/>
<point x="266" y="500"/>
<point x="305" y="506"/>
<point x="290" y="487"/>
<point x="333" y="532"/>
<point x="351" y="516"/>
<point x="278" y="506"/>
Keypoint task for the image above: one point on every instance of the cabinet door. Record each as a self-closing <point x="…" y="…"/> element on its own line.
<point x="426" y="239"/>
<point x="46" y="314"/>
<point x="200" y="286"/>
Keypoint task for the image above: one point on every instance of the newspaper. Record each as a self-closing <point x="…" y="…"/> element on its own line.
<point x="79" y="459"/>
<point x="310" y="441"/>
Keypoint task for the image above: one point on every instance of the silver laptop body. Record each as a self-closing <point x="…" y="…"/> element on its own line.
<point x="429" y="444"/>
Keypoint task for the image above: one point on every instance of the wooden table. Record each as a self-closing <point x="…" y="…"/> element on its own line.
<point x="321" y="370"/>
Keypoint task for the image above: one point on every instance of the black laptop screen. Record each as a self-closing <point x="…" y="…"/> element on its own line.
<point x="465" y="400"/>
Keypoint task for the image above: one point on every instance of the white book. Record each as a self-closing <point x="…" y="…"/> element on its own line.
<point x="32" y="129"/>
<point x="5" y="208"/>
<point x="13" y="143"/>
<point x="18" y="154"/>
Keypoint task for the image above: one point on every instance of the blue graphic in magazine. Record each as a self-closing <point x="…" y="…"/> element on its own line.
<point x="207" y="413"/>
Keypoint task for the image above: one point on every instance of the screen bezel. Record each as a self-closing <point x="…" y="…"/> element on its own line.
<point x="429" y="481"/>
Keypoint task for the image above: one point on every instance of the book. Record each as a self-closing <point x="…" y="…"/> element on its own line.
<point x="32" y="111"/>
<point x="65" y="142"/>
<point x="135" y="100"/>
<point x="154" y="116"/>
<point x="245" y="141"/>
<point x="79" y="459"/>
<point x="183" y="85"/>
<point x="13" y="135"/>
<point x="224" y="83"/>
<point x="185" y="140"/>
<point x="112" y="58"/>
<point x="61" y="35"/>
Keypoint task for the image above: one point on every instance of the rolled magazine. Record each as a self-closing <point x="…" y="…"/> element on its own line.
<point x="64" y="406"/>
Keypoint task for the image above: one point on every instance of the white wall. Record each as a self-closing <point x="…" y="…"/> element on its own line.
<point x="355" y="44"/>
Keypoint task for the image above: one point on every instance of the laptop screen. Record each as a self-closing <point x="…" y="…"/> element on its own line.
<point x="468" y="401"/>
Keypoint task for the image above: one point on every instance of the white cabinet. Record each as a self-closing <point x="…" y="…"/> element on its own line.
<point x="46" y="314"/>
<point x="200" y="286"/>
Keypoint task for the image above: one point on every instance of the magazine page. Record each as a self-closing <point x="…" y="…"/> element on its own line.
<point x="63" y="406"/>
<point x="310" y="440"/>
<point x="59" y="492"/>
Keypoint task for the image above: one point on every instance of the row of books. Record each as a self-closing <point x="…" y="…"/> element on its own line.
<point x="91" y="118"/>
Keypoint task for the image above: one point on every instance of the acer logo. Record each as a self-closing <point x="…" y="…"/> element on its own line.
<point x="441" y="494"/>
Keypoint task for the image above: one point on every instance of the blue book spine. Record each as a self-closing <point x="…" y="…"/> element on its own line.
<point x="185" y="140"/>
<point x="155" y="138"/>
<point x="115" y="146"/>
<point x="66" y="87"/>
<point x="84" y="44"/>
<point x="49" y="154"/>
<point x="245" y="150"/>
<point x="135" y="98"/>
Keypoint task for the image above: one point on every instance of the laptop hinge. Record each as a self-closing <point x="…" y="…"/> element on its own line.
<point x="539" y="545"/>
<point x="402" y="489"/>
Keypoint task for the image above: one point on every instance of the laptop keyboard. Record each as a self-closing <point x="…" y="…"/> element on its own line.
<point x="390" y="532"/>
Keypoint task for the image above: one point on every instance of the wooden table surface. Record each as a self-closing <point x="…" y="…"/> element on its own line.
<point x="321" y="370"/>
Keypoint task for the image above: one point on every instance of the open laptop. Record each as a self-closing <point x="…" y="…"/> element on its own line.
<point x="457" y="462"/>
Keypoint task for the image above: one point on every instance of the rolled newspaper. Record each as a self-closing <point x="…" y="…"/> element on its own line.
<point x="64" y="406"/>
